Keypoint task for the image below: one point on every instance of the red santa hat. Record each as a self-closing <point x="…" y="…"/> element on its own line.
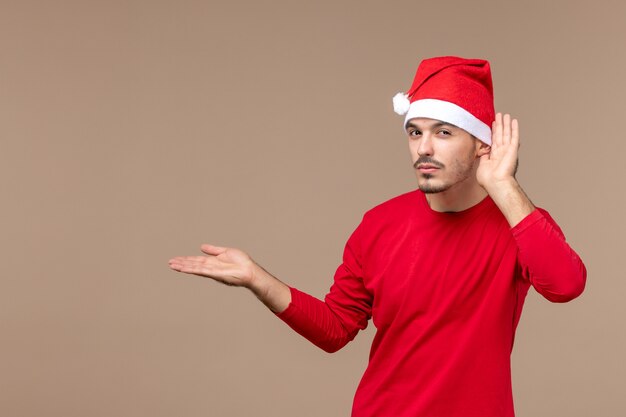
<point x="454" y="90"/>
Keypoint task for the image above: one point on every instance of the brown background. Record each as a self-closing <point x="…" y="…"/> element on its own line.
<point x="134" y="131"/>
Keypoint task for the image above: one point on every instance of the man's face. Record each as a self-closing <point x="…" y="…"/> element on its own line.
<point x="444" y="156"/>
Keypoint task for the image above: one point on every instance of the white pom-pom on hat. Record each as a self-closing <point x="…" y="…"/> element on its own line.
<point x="401" y="103"/>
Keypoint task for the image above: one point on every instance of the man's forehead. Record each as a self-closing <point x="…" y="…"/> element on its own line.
<point x="424" y="122"/>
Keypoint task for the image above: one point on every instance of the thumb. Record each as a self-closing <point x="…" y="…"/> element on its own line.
<point x="212" y="249"/>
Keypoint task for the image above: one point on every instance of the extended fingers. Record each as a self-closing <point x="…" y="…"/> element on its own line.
<point x="504" y="130"/>
<point x="190" y="268"/>
<point x="193" y="264"/>
<point x="180" y="260"/>
<point x="207" y="266"/>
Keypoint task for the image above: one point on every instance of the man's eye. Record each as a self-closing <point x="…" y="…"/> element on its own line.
<point x="414" y="132"/>
<point x="445" y="132"/>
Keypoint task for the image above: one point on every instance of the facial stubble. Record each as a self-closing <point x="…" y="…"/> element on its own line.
<point x="462" y="172"/>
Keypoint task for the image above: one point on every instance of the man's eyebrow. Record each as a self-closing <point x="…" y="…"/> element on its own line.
<point x="433" y="126"/>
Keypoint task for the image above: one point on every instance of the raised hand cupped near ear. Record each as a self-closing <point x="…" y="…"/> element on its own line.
<point x="500" y="164"/>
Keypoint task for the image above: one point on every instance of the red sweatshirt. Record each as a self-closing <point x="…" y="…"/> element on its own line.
<point x="445" y="292"/>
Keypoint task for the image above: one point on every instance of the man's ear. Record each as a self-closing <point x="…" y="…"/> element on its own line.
<point x="483" y="149"/>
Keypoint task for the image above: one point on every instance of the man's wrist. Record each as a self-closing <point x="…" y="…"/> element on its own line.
<point x="258" y="281"/>
<point x="510" y="199"/>
<point x="272" y="292"/>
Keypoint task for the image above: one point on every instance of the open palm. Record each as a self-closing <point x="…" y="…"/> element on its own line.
<point x="230" y="266"/>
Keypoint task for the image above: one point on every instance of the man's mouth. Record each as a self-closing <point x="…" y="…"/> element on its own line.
<point x="427" y="168"/>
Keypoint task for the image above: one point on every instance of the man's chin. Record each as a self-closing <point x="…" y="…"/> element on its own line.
<point x="429" y="188"/>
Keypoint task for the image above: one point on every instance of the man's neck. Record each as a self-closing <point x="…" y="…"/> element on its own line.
<point x="457" y="198"/>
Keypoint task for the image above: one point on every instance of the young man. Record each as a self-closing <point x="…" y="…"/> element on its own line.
<point x="442" y="271"/>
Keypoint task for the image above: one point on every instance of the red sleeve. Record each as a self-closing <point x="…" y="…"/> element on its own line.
<point x="346" y="309"/>
<point x="546" y="259"/>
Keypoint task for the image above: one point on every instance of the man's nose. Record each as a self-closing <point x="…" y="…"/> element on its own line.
<point x="425" y="146"/>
